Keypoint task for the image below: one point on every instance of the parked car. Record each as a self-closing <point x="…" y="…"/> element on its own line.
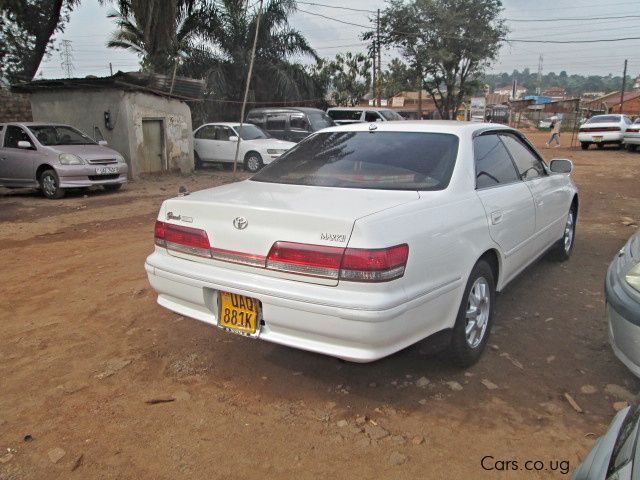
<point x="603" y="130"/>
<point x="622" y="292"/>
<point x="632" y="136"/>
<point x="217" y="142"/>
<point x="346" y="115"/>
<point x="616" y="454"/>
<point x="55" y="157"/>
<point x="366" y="238"/>
<point x="289" y="123"/>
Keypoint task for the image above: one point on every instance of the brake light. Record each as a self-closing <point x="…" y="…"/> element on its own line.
<point x="353" y="264"/>
<point x="193" y="241"/>
<point x="599" y="129"/>
<point x="379" y="265"/>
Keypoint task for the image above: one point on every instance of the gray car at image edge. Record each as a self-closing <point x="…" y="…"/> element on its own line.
<point x="55" y="157"/>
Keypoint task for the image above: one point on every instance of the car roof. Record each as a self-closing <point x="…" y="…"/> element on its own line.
<point x="359" y="108"/>
<point x="433" y="126"/>
<point x="223" y="124"/>
<point x="287" y="109"/>
<point x="36" y="124"/>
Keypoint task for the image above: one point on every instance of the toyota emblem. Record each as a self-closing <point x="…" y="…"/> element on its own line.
<point x="240" y="223"/>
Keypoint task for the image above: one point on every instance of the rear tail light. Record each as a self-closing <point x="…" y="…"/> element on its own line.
<point x="353" y="264"/>
<point x="599" y="129"/>
<point x="182" y="239"/>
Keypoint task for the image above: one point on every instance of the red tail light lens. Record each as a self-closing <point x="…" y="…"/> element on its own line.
<point x="379" y="265"/>
<point x="353" y="264"/>
<point x="193" y="241"/>
<point x="315" y="260"/>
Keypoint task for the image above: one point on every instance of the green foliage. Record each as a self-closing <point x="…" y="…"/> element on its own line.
<point x="397" y="78"/>
<point x="447" y="42"/>
<point x="347" y="77"/>
<point x="575" y="85"/>
<point x="27" y="28"/>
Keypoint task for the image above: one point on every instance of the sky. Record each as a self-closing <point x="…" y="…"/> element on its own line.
<point x="89" y="29"/>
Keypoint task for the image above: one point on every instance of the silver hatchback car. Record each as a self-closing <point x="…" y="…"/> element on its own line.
<point x="55" y="157"/>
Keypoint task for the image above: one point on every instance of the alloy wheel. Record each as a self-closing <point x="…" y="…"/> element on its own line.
<point x="49" y="185"/>
<point x="477" y="314"/>
<point x="569" y="232"/>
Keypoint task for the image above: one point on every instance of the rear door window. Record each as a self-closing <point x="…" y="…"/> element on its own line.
<point x="298" y="121"/>
<point x="372" y="117"/>
<point x="276" y="122"/>
<point x="207" y="133"/>
<point x="528" y="164"/>
<point x="493" y="163"/>
<point x="380" y="160"/>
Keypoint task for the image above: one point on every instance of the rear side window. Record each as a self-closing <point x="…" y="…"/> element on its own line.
<point x="493" y="164"/>
<point x="345" y="114"/>
<point x="207" y="133"/>
<point x="378" y="160"/>
<point x="529" y="165"/>
<point x="371" y="117"/>
<point x="298" y="121"/>
<point x="276" y="122"/>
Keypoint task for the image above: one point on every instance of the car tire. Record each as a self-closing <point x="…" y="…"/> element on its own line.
<point x="631" y="147"/>
<point x="584" y="145"/>
<point x="561" y="251"/>
<point x="253" y="162"/>
<point x="600" y="146"/>
<point x="472" y="328"/>
<point x="620" y="146"/>
<point x="50" y="185"/>
<point x="197" y="161"/>
<point x="112" y="187"/>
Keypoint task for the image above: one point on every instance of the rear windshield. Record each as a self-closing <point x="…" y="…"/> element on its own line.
<point x="345" y="114"/>
<point x="375" y="160"/>
<point x="320" y="120"/>
<point x="604" y="119"/>
<point x="390" y="115"/>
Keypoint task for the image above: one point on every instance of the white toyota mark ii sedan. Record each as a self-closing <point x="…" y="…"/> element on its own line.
<point x="366" y="238"/>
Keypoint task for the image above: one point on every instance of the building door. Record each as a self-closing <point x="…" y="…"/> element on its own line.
<point x="153" y="146"/>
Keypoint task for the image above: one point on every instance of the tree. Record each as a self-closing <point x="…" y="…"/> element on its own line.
<point x="347" y="77"/>
<point x="26" y="31"/>
<point x="397" y="78"/>
<point x="447" y="42"/>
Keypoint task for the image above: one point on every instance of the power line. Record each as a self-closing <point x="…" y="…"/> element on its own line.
<point x="336" y="7"/>
<point x="575" y="19"/>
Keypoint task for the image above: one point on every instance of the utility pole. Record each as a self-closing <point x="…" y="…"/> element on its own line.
<point x="111" y="69"/>
<point x="246" y="89"/>
<point x="379" y="93"/>
<point x="373" y="85"/>
<point x="67" y="58"/>
<point x="539" y="82"/>
<point x="624" y="81"/>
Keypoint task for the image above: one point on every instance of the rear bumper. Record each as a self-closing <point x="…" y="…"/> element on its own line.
<point x="360" y="327"/>
<point x="601" y="137"/>
<point x="632" y="138"/>
<point x="75" y="176"/>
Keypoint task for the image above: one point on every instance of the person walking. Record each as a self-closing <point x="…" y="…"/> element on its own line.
<point x="555" y="132"/>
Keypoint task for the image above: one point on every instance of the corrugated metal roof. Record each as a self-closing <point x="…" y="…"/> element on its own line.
<point x="182" y="88"/>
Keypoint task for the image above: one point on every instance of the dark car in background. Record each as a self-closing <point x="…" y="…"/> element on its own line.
<point x="289" y="123"/>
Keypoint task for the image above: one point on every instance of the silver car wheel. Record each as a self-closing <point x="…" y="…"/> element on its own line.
<point x="253" y="163"/>
<point x="569" y="232"/>
<point x="49" y="185"/>
<point x="477" y="314"/>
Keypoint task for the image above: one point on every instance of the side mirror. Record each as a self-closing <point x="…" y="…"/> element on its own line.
<point x="102" y="143"/>
<point x="233" y="138"/>
<point x="24" y="144"/>
<point x="561" y="166"/>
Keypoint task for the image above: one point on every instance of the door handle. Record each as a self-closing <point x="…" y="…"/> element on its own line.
<point x="496" y="217"/>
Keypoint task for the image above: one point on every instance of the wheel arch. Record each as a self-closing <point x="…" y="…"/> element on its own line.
<point x="492" y="257"/>
<point x="42" y="168"/>
<point x="246" y="155"/>
<point x="575" y="204"/>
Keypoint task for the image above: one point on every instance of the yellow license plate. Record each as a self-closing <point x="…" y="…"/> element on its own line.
<point x="597" y="139"/>
<point x="238" y="313"/>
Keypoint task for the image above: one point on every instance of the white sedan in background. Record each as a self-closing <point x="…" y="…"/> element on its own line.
<point x="632" y="136"/>
<point x="602" y="130"/>
<point x="366" y="238"/>
<point x="216" y="142"/>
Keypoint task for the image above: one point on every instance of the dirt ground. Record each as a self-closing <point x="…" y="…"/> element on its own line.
<point x="84" y="348"/>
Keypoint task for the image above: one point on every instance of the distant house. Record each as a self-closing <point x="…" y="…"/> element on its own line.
<point x="555" y="93"/>
<point x="142" y="116"/>
<point x="610" y="103"/>
<point x="508" y="90"/>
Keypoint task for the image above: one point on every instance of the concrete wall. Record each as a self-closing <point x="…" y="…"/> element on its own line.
<point x="14" y="107"/>
<point x="178" y="132"/>
<point x="84" y="109"/>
